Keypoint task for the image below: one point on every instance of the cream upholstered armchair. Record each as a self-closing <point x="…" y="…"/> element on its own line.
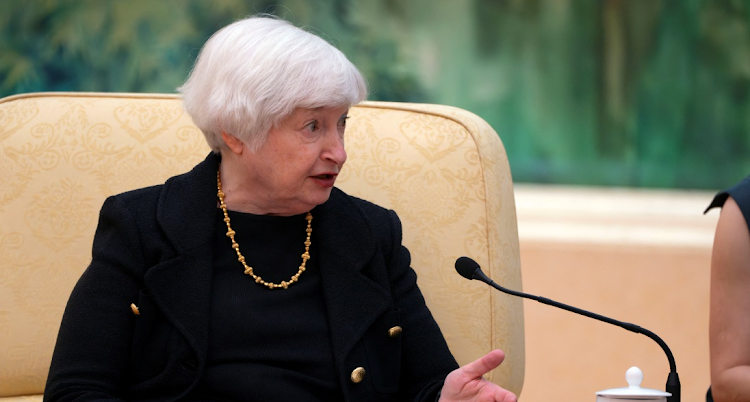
<point x="443" y="169"/>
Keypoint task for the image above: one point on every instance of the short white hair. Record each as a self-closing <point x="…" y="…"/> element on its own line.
<point x="253" y="73"/>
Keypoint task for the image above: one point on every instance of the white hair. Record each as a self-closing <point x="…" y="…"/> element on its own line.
<point x="253" y="73"/>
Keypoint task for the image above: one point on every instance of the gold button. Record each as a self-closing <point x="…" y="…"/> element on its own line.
<point x="358" y="374"/>
<point x="395" y="331"/>
<point x="134" y="308"/>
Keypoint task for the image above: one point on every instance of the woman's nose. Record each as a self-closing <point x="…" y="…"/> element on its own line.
<point x="334" y="150"/>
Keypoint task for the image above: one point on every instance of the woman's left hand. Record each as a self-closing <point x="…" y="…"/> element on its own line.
<point x="467" y="384"/>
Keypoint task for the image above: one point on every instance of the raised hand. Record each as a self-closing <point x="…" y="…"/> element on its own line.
<point x="467" y="384"/>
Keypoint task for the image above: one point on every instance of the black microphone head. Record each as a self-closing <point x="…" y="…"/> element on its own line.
<point x="466" y="267"/>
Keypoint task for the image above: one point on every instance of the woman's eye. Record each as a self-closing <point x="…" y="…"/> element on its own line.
<point x="342" y="121"/>
<point x="313" y="126"/>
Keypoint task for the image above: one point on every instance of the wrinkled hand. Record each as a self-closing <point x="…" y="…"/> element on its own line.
<point x="467" y="384"/>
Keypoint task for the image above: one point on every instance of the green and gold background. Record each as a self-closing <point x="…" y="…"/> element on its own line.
<point x="639" y="93"/>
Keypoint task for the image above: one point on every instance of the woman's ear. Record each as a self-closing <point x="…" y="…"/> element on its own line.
<point x="233" y="143"/>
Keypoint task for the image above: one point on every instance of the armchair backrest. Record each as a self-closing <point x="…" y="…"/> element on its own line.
<point x="443" y="169"/>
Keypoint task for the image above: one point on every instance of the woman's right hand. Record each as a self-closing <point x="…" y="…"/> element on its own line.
<point x="468" y="384"/>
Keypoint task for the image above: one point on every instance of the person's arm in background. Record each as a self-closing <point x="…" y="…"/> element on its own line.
<point x="729" y="323"/>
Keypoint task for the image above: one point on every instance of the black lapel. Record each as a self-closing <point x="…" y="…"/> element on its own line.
<point x="347" y="246"/>
<point x="182" y="286"/>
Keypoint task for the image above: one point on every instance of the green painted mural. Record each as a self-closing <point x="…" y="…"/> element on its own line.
<point x="641" y="93"/>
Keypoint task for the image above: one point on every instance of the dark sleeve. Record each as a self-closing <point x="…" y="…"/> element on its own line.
<point x="91" y="356"/>
<point x="426" y="359"/>
<point x="740" y="193"/>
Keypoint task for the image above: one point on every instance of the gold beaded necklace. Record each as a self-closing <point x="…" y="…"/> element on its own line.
<point x="241" y="258"/>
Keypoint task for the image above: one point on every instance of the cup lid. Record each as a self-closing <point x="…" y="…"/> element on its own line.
<point x="634" y="377"/>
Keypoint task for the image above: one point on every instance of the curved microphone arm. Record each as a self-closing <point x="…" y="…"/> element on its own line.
<point x="470" y="269"/>
<point x="630" y="327"/>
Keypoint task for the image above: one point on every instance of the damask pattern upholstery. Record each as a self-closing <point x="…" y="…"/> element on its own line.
<point x="443" y="169"/>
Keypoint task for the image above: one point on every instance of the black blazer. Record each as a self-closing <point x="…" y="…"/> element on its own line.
<point x="153" y="247"/>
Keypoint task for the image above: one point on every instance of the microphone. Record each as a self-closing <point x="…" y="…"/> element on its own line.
<point x="469" y="269"/>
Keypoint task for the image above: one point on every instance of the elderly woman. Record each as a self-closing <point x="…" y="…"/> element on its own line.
<point x="252" y="277"/>
<point x="729" y="323"/>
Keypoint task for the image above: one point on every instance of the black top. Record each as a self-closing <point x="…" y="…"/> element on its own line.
<point x="266" y="344"/>
<point x="740" y="192"/>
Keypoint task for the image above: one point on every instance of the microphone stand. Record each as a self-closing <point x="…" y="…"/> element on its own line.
<point x="673" y="380"/>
